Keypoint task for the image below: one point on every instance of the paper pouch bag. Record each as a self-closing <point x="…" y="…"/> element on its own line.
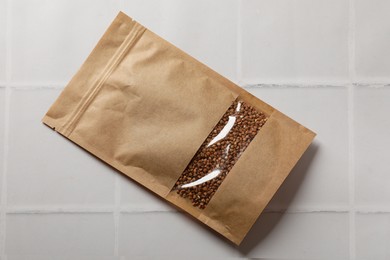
<point x="159" y="116"/>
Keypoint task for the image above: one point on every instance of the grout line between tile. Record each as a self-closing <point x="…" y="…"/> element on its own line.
<point x="137" y="209"/>
<point x="116" y="214"/>
<point x="8" y="42"/>
<point x="56" y="209"/>
<point x="36" y="85"/>
<point x="306" y="211"/>
<point x="351" y="173"/>
<point x="372" y="81"/>
<point x="239" y="43"/>
<point x="292" y="85"/>
<point x="287" y="84"/>
<point x="351" y="43"/>
<point x="3" y="226"/>
<point x="3" y="200"/>
<point x="308" y="84"/>
<point x="351" y="150"/>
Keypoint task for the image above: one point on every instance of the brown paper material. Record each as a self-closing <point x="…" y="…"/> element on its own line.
<point x="145" y="107"/>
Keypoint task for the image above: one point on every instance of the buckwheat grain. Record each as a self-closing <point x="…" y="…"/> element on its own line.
<point x="217" y="156"/>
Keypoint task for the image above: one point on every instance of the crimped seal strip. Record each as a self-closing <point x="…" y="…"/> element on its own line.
<point x="135" y="34"/>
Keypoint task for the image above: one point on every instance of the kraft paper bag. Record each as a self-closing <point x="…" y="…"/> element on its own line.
<point x="147" y="109"/>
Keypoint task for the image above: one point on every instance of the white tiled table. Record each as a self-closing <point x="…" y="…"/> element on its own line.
<point x="324" y="63"/>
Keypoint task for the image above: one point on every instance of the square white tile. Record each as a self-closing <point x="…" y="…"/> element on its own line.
<point x="169" y="235"/>
<point x="207" y="30"/>
<point x="372" y="39"/>
<point x="320" y="179"/>
<point x="372" y="236"/>
<point x="371" y="143"/>
<point x="60" y="234"/>
<point x="46" y="169"/>
<point x="51" y="39"/>
<point x="3" y="52"/>
<point x="295" y="40"/>
<point x="298" y="236"/>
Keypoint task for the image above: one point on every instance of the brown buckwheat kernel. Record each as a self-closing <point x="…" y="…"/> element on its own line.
<point x="219" y="152"/>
